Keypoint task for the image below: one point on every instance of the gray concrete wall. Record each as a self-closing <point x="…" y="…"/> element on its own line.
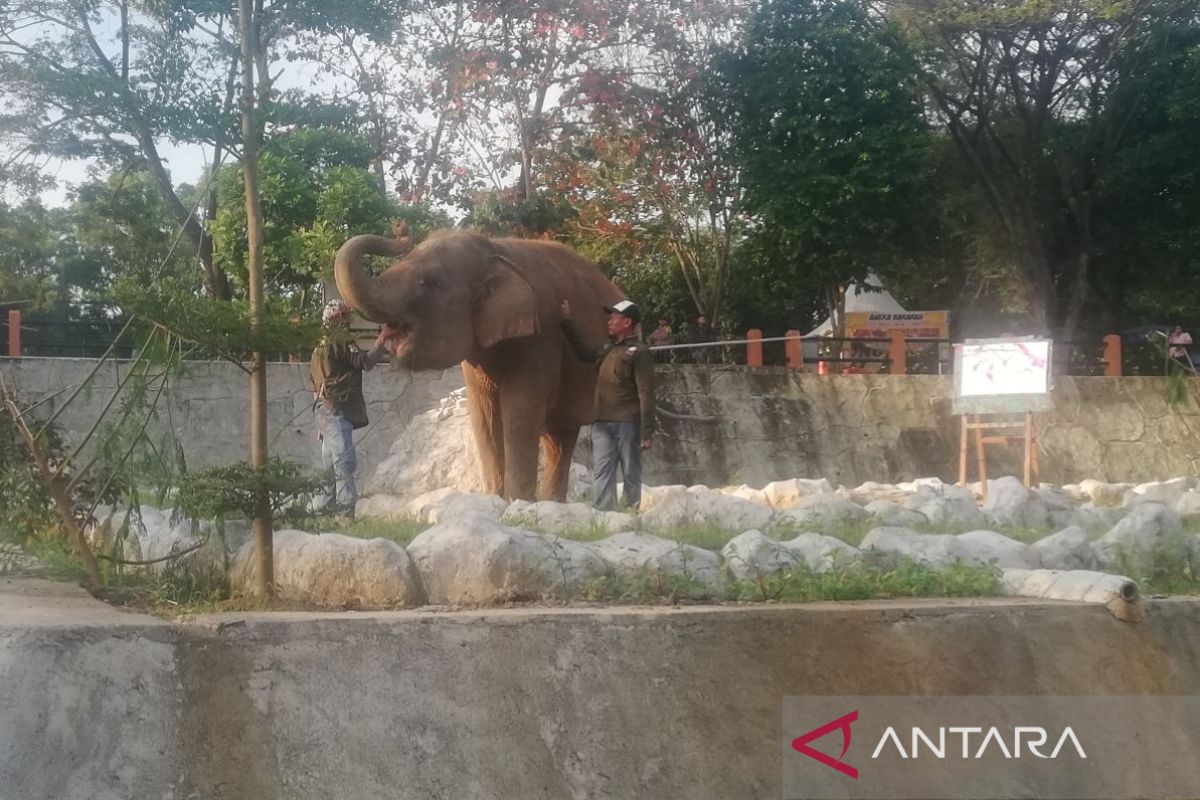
<point x="764" y="424"/>
<point x="531" y="704"/>
<point x="732" y="424"/>
<point x="206" y="410"/>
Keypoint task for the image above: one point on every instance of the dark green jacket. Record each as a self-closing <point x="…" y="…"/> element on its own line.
<point x="625" y="378"/>
<point x="335" y="375"/>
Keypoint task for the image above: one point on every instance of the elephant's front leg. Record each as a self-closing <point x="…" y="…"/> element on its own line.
<point x="483" y="400"/>
<point x="522" y="420"/>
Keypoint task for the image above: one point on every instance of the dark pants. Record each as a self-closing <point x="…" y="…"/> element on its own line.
<point x="613" y="443"/>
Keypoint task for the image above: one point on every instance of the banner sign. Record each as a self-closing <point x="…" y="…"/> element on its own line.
<point x="913" y="324"/>
<point x="999" y="376"/>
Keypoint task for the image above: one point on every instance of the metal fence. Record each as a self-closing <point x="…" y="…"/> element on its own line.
<point x="895" y="354"/>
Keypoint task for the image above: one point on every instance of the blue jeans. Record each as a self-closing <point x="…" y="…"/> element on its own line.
<point x="614" y="442"/>
<point x="337" y="454"/>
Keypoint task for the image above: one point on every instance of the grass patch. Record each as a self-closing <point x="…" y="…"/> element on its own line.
<point x="875" y="577"/>
<point x="1168" y="569"/>
<point x="401" y="531"/>
<point x="850" y="531"/>
<point x="589" y="532"/>
<point x="643" y="588"/>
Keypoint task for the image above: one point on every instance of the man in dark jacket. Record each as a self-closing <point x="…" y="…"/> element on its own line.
<point x="335" y="375"/>
<point x="624" y="402"/>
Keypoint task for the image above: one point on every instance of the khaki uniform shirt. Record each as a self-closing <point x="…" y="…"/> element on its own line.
<point x="335" y="374"/>
<point x="625" y="379"/>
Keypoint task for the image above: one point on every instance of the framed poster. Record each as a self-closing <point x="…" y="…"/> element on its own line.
<point x="1002" y="376"/>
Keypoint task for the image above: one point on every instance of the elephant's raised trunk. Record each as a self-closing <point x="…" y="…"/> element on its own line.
<point x="356" y="287"/>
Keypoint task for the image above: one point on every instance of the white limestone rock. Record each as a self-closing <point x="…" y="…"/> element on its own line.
<point x="439" y="505"/>
<point x="790" y="493"/>
<point x="752" y="555"/>
<point x="746" y="493"/>
<point x="822" y="553"/>
<point x="1169" y="493"/>
<point x="1103" y="493"/>
<point x="1010" y="503"/>
<point x="912" y="487"/>
<point x="947" y="505"/>
<point x="565" y="518"/>
<point x="892" y="514"/>
<point x="1070" y="548"/>
<point x="989" y="547"/>
<point x="871" y="492"/>
<point x="1060" y="507"/>
<point x="822" y="511"/>
<point x="702" y="506"/>
<point x="334" y="571"/>
<point x="385" y="506"/>
<point x="1096" y="519"/>
<point x="147" y="533"/>
<point x="436" y="450"/>
<point x="656" y="495"/>
<point x="1147" y="527"/>
<point x="1188" y="505"/>
<point x="1079" y="585"/>
<point x="472" y="560"/>
<point x="929" y="549"/>
<point x="639" y="553"/>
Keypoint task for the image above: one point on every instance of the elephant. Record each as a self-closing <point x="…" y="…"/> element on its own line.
<point x="493" y="306"/>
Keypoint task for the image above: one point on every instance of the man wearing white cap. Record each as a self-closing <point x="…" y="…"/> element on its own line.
<point x="624" y="402"/>
<point x="335" y="374"/>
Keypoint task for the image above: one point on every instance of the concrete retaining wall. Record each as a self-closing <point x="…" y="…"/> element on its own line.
<point x="628" y="703"/>
<point x="733" y="425"/>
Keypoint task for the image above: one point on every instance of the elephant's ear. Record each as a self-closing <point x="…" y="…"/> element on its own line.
<point x="506" y="307"/>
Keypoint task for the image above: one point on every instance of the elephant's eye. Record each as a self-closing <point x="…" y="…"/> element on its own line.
<point x="429" y="282"/>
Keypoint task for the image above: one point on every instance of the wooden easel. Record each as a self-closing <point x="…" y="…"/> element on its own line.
<point x="979" y="423"/>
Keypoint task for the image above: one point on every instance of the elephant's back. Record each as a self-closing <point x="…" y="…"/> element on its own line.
<point x="561" y="269"/>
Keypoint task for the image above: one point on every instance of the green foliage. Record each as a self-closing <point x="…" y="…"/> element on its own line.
<point x="831" y="141"/>
<point x="221" y="492"/>
<point x="26" y="509"/>
<point x="643" y="587"/>
<point x="400" y="531"/>
<point x="1169" y="568"/>
<point x="218" y="328"/>
<point x="875" y="577"/>
<point x="506" y="214"/>
<point x="317" y="191"/>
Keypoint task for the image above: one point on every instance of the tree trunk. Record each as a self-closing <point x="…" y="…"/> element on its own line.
<point x="263" y="547"/>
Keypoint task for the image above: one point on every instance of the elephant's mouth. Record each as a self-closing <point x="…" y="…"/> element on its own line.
<point x="399" y="339"/>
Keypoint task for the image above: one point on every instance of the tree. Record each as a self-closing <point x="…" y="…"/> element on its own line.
<point x="1030" y="92"/>
<point x="318" y="190"/>
<point x="1147" y="229"/>
<point x="831" y="142"/>
<point x="29" y="248"/>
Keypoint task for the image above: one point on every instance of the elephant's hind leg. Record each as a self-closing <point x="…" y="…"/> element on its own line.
<point x="558" y="445"/>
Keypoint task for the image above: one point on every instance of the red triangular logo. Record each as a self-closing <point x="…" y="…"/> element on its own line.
<point x="800" y="744"/>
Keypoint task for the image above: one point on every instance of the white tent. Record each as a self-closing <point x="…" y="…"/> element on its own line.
<point x="876" y="300"/>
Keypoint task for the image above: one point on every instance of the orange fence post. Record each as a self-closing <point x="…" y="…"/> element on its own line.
<point x="793" y="351"/>
<point x="1112" y="356"/>
<point x="14" y="333"/>
<point x="754" y="354"/>
<point x="898" y="353"/>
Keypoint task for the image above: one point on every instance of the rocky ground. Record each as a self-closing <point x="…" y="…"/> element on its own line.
<point x="1083" y="542"/>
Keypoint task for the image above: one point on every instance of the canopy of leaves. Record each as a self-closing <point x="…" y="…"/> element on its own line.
<point x="231" y="490"/>
<point x="218" y="328"/>
<point x="317" y="191"/>
<point x="831" y="141"/>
